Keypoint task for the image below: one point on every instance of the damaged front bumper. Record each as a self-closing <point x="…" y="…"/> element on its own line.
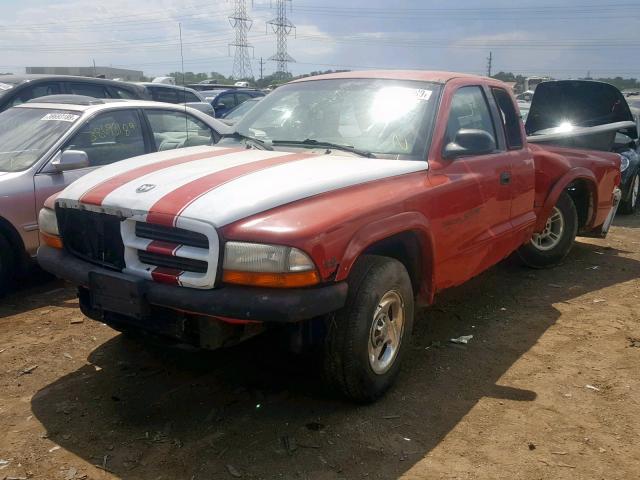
<point x="135" y="298"/>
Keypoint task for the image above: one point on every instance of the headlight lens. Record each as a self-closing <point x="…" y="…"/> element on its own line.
<point x="624" y="163"/>
<point x="47" y="222"/>
<point x="255" y="257"/>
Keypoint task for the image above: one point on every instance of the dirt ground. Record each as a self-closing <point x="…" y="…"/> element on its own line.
<point x="548" y="388"/>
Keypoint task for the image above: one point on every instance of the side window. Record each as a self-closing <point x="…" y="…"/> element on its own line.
<point x="36" y="91"/>
<point x="469" y="109"/>
<point x="242" y="97"/>
<point x="110" y="137"/>
<point x="186" y="97"/>
<point x="166" y="95"/>
<point x="173" y="130"/>
<point x="228" y="99"/>
<point x="509" y="117"/>
<point x="122" y="93"/>
<point x="88" y="89"/>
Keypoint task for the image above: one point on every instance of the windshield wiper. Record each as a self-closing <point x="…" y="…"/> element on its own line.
<point x="248" y="138"/>
<point x="319" y="143"/>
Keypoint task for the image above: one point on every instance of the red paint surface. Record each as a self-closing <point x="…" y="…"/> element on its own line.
<point x="166" y="275"/>
<point x="97" y="194"/>
<point x="163" y="248"/>
<point x="167" y="210"/>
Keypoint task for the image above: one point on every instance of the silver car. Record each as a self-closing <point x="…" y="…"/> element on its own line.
<point x="49" y="142"/>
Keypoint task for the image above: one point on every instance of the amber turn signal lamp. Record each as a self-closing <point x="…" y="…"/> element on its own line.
<point x="53" y="241"/>
<point x="274" y="280"/>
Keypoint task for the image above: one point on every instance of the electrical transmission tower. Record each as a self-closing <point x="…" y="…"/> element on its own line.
<point x="241" y="23"/>
<point x="282" y="27"/>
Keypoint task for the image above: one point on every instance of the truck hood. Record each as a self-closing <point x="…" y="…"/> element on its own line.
<point x="578" y="113"/>
<point x="221" y="185"/>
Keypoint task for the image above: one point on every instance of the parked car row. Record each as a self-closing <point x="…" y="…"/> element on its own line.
<point x="18" y="89"/>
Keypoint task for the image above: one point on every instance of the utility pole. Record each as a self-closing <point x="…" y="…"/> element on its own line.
<point x="282" y="27"/>
<point x="241" y="24"/>
<point x="489" y="63"/>
<point x="94" y="67"/>
<point x="261" y="67"/>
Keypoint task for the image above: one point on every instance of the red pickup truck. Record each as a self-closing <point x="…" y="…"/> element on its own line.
<point x="339" y="204"/>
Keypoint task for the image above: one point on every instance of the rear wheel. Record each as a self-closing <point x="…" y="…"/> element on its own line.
<point x="368" y="337"/>
<point x="630" y="204"/>
<point x="550" y="246"/>
<point x="7" y="264"/>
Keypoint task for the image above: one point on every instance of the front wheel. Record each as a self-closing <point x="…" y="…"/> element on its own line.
<point x="7" y="265"/>
<point x="631" y="203"/>
<point x="550" y="246"/>
<point x="367" y="339"/>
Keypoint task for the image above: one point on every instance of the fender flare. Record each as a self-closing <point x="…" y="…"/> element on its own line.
<point x="577" y="173"/>
<point x="374" y="232"/>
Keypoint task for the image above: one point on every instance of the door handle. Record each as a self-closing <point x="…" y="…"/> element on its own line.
<point x="505" y="178"/>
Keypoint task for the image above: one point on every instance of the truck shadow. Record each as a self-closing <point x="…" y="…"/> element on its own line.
<point x="167" y="414"/>
<point x="37" y="291"/>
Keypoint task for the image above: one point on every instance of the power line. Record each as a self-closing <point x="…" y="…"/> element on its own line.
<point x="282" y="27"/>
<point x="241" y="24"/>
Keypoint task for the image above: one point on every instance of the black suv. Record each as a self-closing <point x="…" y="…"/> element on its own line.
<point x="17" y="89"/>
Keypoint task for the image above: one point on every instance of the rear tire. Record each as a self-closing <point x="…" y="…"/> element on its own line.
<point x="552" y="245"/>
<point x="367" y="339"/>
<point x="631" y="204"/>
<point x="7" y="265"/>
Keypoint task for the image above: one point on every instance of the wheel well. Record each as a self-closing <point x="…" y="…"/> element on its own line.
<point x="404" y="247"/>
<point x="581" y="193"/>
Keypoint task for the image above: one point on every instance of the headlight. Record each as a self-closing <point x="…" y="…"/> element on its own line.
<point x="624" y="163"/>
<point x="47" y="222"/>
<point x="268" y="266"/>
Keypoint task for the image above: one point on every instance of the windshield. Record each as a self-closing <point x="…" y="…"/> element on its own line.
<point x="385" y="117"/>
<point x="27" y="133"/>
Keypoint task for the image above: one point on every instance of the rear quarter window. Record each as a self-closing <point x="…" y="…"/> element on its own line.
<point x="509" y="118"/>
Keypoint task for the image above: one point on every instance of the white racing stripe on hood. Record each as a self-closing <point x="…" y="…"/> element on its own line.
<point x="99" y="175"/>
<point x="169" y="179"/>
<point x="275" y="186"/>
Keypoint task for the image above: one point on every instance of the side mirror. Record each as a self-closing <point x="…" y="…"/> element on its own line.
<point x="70" y="160"/>
<point x="470" y="141"/>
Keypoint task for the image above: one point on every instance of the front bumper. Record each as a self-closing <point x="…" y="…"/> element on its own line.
<point x="241" y="303"/>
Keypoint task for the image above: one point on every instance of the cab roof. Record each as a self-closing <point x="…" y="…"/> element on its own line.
<point x="416" y="75"/>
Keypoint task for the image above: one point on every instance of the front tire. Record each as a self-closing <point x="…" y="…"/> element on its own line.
<point x="7" y="265"/>
<point x="553" y="244"/>
<point x="367" y="339"/>
<point x="630" y="205"/>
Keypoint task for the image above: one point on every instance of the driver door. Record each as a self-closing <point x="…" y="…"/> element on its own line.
<point x="472" y="219"/>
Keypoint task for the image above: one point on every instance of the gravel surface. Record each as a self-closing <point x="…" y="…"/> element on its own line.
<point x="548" y="387"/>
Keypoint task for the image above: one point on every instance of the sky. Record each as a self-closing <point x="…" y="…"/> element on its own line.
<point x="568" y="39"/>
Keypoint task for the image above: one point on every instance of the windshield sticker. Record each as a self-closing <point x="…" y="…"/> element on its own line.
<point x="423" y="94"/>
<point x="60" y="117"/>
<point x="112" y="130"/>
<point x="5" y="86"/>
